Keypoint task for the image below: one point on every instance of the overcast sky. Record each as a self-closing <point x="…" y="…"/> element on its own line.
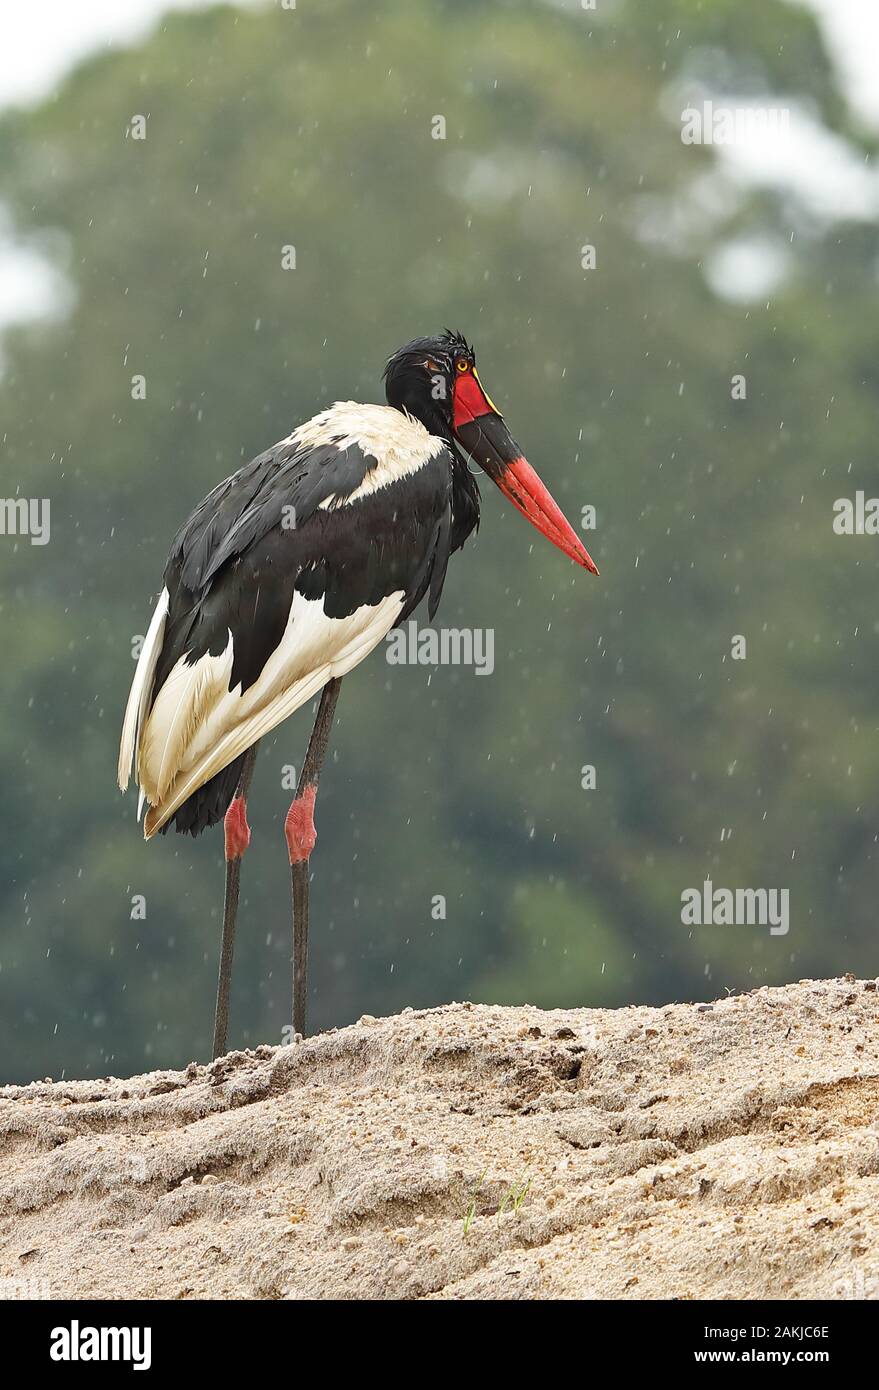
<point x="41" y="40"/>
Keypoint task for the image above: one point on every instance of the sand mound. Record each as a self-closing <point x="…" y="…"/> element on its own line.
<point x="726" y="1150"/>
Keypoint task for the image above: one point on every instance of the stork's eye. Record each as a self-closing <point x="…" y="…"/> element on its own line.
<point x="462" y="365"/>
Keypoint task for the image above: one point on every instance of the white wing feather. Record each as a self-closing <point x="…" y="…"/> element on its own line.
<point x="314" y="649"/>
<point x="141" y="689"/>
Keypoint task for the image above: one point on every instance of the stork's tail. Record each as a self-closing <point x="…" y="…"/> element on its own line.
<point x="201" y="810"/>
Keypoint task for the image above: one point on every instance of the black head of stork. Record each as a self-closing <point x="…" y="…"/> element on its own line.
<point x="435" y="380"/>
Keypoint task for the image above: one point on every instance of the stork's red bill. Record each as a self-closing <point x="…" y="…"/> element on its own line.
<point x="482" y="430"/>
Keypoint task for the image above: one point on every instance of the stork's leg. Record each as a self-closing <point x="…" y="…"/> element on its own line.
<point x="301" y="836"/>
<point x="237" y="838"/>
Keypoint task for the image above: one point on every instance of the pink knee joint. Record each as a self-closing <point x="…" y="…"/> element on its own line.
<point x="299" y="826"/>
<point x="237" y="831"/>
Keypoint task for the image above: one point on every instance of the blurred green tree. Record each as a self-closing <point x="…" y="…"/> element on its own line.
<point x="313" y="129"/>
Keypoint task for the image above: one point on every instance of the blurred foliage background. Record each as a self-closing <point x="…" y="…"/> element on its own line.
<point x="312" y="127"/>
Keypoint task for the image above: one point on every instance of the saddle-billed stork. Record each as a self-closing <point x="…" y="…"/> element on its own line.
<point x="286" y="576"/>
